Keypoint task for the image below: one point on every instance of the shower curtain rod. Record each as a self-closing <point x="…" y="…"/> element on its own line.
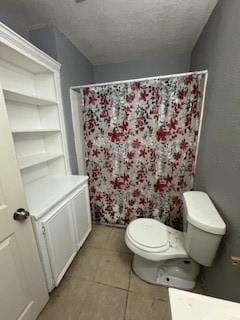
<point x="139" y="79"/>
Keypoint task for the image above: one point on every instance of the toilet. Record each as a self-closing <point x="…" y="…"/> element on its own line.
<point x="165" y="256"/>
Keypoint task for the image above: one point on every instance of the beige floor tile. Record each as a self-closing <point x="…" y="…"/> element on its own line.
<point x="147" y="290"/>
<point x="116" y="241"/>
<point x="98" y="237"/>
<point x="142" y="308"/>
<point x="104" y="303"/>
<point x="114" y="270"/>
<point x="59" y="309"/>
<point x="72" y="288"/>
<point x="86" y="263"/>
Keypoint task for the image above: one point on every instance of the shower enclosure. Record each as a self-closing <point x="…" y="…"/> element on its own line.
<point x="137" y="141"/>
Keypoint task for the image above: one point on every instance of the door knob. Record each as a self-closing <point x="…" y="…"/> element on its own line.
<point x="20" y="214"/>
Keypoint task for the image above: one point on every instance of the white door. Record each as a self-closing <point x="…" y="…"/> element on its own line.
<point x="23" y="291"/>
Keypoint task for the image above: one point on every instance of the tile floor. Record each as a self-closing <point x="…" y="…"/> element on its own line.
<point x="100" y="285"/>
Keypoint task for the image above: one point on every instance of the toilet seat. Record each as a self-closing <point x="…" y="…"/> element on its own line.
<point x="152" y="240"/>
<point x="149" y="235"/>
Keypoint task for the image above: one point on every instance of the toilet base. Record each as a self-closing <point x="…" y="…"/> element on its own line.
<point x="177" y="273"/>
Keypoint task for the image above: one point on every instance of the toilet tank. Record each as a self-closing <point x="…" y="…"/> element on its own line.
<point x="203" y="227"/>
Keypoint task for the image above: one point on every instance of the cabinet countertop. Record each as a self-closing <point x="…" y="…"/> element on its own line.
<point x="45" y="193"/>
<point x="187" y="306"/>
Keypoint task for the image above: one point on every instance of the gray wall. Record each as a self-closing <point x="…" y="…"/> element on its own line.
<point x="218" y="167"/>
<point x="44" y="37"/>
<point x="76" y="70"/>
<point x="148" y="67"/>
<point x="14" y="16"/>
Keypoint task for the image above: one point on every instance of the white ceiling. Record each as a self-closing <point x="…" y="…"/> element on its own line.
<point x="109" y="31"/>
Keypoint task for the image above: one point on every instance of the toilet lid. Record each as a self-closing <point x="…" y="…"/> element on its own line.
<point x="149" y="233"/>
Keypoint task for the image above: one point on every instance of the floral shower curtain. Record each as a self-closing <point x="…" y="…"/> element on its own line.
<point x="141" y="140"/>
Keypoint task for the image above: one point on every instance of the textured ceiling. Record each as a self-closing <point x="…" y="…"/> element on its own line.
<point x="109" y="31"/>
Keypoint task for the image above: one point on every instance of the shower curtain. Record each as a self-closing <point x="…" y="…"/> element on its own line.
<point x="140" y="143"/>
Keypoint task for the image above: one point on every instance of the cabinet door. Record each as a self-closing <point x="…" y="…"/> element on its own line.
<point x="82" y="215"/>
<point x="60" y="240"/>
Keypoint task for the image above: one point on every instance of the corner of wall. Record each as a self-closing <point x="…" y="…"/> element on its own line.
<point x="43" y="37"/>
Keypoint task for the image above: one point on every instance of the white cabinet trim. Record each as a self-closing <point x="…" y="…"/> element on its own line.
<point x="18" y="43"/>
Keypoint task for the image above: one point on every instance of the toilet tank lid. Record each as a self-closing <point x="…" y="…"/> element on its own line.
<point x="201" y="212"/>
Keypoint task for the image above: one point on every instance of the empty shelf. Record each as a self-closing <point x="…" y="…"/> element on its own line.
<point x="33" y="160"/>
<point x="28" y="99"/>
<point x="34" y="130"/>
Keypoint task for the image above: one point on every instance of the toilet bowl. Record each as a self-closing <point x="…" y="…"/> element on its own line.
<point x="163" y="255"/>
<point x="159" y="254"/>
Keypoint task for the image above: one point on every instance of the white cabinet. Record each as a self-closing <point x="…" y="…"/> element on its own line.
<point x="62" y="222"/>
<point x="81" y="215"/>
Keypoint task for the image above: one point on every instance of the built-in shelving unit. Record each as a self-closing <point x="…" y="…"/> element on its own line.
<point x="30" y="82"/>
<point x="58" y="202"/>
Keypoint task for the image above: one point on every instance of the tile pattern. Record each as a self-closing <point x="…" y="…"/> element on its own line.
<point x="100" y="285"/>
<point x="114" y="270"/>
<point x="104" y="302"/>
<point x="145" y="308"/>
<point x="147" y="290"/>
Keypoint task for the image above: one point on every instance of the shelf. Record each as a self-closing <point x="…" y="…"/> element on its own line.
<point x="28" y="99"/>
<point x="45" y="193"/>
<point x="30" y="83"/>
<point x="16" y="131"/>
<point x="30" y="161"/>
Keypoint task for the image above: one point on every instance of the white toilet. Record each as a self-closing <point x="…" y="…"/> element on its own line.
<point x="163" y="255"/>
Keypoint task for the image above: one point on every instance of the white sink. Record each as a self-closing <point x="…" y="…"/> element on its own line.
<point x="188" y="306"/>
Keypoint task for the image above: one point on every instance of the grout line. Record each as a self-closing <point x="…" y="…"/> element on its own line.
<point x="130" y="273"/>
<point x="108" y="250"/>
<point x="110" y="286"/>
<point x="161" y="299"/>
<point x="125" y="309"/>
<point x="129" y="281"/>
<point x="109" y="225"/>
